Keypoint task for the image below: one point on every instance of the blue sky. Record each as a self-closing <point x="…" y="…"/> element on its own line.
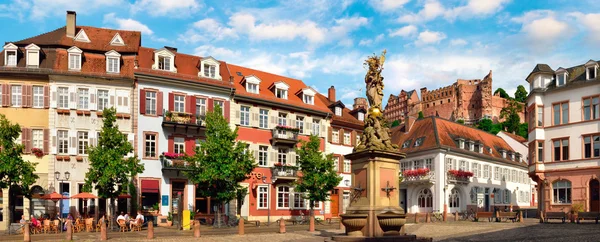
<point x="430" y="43"/>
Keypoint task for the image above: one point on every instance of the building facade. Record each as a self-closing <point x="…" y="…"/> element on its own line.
<point x="455" y="168"/>
<point x="398" y="107"/>
<point x="563" y="112"/>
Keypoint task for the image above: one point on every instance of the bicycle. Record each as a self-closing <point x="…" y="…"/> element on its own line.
<point x="466" y="216"/>
<point x="436" y="216"/>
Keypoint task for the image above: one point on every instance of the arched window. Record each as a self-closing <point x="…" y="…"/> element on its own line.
<point x="425" y="198"/>
<point x="473" y="194"/>
<point x="562" y="191"/>
<point x="507" y="196"/>
<point x="37" y="203"/>
<point x="454" y="198"/>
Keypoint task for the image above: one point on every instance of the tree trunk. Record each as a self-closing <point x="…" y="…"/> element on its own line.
<point x="8" y="211"/>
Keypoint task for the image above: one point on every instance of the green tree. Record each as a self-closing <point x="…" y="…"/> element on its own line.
<point x="421" y="116"/>
<point x="510" y="114"/>
<point x="521" y="94"/>
<point x="110" y="164"/>
<point x="523" y="130"/>
<point x="15" y="173"/>
<point x="460" y="121"/>
<point x="318" y="174"/>
<point x="503" y="93"/>
<point x="395" y="123"/>
<point x="220" y="163"/>
<point x="496" y="128"/>
<point x="485" y="124"/>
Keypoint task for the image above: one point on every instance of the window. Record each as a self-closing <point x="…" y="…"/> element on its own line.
<point x="263" y="119"/>
<point x="591" y="146"/>
<point x="505" y="174"/>
<point x="429" y="164"/>
<point x="417" y="164"/>
<point x="406" y="144"/>
<point x="244" y="115"/>
<point x="540" y="153"/>
<point x="282" y="119"/>
<point x="560" y="113"/>
<point x="561" y="191"/>
<point x="252" y="88"/>
<point x="347" y="166"/>
<point x="179" y="145"/>
<point x="103" y="100"/>
<point x="150" y="146"/>
<point x="37" y="139"/>
<point x="497" y="173"/>
<point x="507" y="196"/>
<point x="560" y="79"/>
<point x="514" y="176"/>
<point x="263" y="197"/>
<point x="221" y="104"/>
<point x="336" y="163"/>
<point x="74" y="61"/>
<point x="498" y="196"/>
<point x="309" y="99"/>
<point x="591" y="72"/>
<point x="425" y="198"/>
<point x="473" y="195"/>
<point x="419" y="141"/>
<point x="462" y="165"/>
<point x="263" y="155"/>
<point x="150" y="103"/>
<point x="281" y="93"/>
<point x="112" y="64"/>
<point x="16" y="95"/>
<point x="299" y="200"/>
<point x="283" y="197"/>
<point x="454" y="199"/>
<point x="11" y="58"/>
<point x="591" y="108"/>
<point x="63" y="97"/>
<point x="164" y="63"/>
<point x="474" y="168"/>
<point x="82" y="142"/>
<point x="38" y="96"/>
<point x="300" y="124"/>
<point x="63" y="142"/>
<point x="361" y="116"/>
<point x="84" y="98"/>
<point x="335" y="136"/>
<point x="315" y="127"/>
<point x="404" y="166"/>
<point x="561" y="149"/>
<point x="540" y="116"/>
<point x="200" y="107"/>
<point x="347" y="138"/>
<point x="338" y="111"/>
<point x="209" y="70"/>
<point x="486" y="171"/>
<point x="282" y="156"/>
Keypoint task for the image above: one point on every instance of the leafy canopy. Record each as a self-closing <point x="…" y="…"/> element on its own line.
<point x="510" y="114"/>
<point x="503" y="93"/>
<point x="318" y="173"/>
<point x="486" y="125"/>
<point x="13" y="169"/>
<point x="109" y="164"/>
<point x="421" y="116"/>
<point x="520" y="94"/>
<point x="220" y="162"/>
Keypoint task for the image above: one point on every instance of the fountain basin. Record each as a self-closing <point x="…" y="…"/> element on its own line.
<point x="391" y="222"/>
<point x="354" y="224"/>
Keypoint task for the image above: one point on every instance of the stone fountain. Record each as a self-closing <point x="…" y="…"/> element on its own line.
<point x="374" y="213"/>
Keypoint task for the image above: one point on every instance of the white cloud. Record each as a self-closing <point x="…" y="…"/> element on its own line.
<point x="430" y="11"/>
<point x="590" y="22"/>
<point x="217" y="52"/>
<point x="429" y="37"/>
<point x="387" y="5"/>
<point x="544" y="30"/>
<point x="41" y="9"/>
<point x="349" y="63"/>
<point x="368" y="42"/>
<point x="15" y="9"/>
<point x="206" y="30"/>
<point x="404" y="31"/>
<point x="127" y="24"/>
<point x="458" y="42"/>
<point x="282" y="30"/>
<point x="170" y="8"/>
<point x="476" y="8"/>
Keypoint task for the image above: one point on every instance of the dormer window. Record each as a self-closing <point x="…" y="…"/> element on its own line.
<point x="419" y="141"/>
<point x="164" y="60"/>
<point x="308" y="99"/>
<point x="471" y="145"/>
<point x="406" y="144"/>
<point x="252" y="88"/>
<point x="361" y="116"/>
<point x="561" y="77"/>
<point x="113" y="62"/>
<point x="591" y="68"/>
<point x="209" y="70"/>
<point x="338" y="111"/>
<point x="10" y="55"/>
<point x="281" y="93"/>
<point x="308" y="95"/>
<point x="164" y="63"/>
<point x="461" y="143"/>
<point x="33" y="56"/>
<point x="209" y="67"/>
<point x="74" y="58"/>
<point x="252" y="84"/>
<point x="281" y="90"/>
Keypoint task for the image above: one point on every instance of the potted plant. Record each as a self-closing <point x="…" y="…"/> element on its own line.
<point x="576" y="208"/>
<point x="169" y="115"/>
<point x="39" y="153"/>
<point x="170" y="219"/>
<point x="155" y="207"/>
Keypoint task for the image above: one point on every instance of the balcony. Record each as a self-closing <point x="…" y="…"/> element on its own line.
<point x="174" y="162"/>
<point x="459" y="176"/>
<point x="284" y="172"/>
<point x="283" y="135"/>
<point x="427" y="178"/>
<point x="185" y="121"/>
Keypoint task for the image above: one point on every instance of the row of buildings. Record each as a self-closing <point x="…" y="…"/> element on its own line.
<point x="55" y="86"/>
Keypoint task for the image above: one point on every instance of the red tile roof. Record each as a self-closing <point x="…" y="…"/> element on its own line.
<point x="268" y="79"/>
<point x="515" y="137"/>
<point x="441" y="133"/>
<point x="99" y="39"/>
<point x="346" y="119"/>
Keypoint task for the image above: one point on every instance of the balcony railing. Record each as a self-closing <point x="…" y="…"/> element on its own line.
<point x="429" y="177"/>
<point x="182" y="120"/>
<point x="458" y="176"/>
<point x="285" y="136"/>
<point x="284" y="172"/>
<point x="174" y="164"/>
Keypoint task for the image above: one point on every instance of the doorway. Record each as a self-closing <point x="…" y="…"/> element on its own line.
<point x="594" y="195"/>
<point x="16" y="203"/>
<point x="335" y="203"/>
<point x="403" y="199"/>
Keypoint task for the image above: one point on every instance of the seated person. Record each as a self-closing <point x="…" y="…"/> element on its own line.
<point x="22" y="221"/>
<point x="34" y="222"/>
<point x="139" y="220"/>
<point x="121" y="219"/>
<point x="128" y="218"/>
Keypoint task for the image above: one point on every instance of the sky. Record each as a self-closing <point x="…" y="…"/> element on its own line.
<point x="429" y="43"/>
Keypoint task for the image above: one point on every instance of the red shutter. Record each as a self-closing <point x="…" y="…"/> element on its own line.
<point x="209" y="104"/>
<point x="5" y="95"/>
<point x="46" y="98"/>
<point x="329" y="135"/>
<point x="192" y="107"/>
<point x="171" y="144"/>
<point x="159" y="104"/>
<point x="171" y="102"/>
<point x="142" y="101"/>
<point x="46" y="141"/>
<point x="226" y="110"/>
<point x="189" y="146"/>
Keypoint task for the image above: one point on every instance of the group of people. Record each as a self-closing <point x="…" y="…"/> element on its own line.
<point x="126" y="218"/>
<point x="34" y="222"/>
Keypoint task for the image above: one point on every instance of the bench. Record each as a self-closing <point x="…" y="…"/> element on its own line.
<point x="488" y="215"/>
<point x="508" y="216"/>
<point x="555" y="215"/>
<point x="587" y="215"/>
<point x="255" y="222"/>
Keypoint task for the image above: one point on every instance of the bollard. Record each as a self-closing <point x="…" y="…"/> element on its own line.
<point x="103" y="235"/>
<point x="281" y="226"/>
<point x="428" y="218"/>
<point x="311" y="224"/>
<point x="241" y="226"/>
<point x="197" y="229"/>
<point x="521" y="216"/>
<point x="445" y="216"/>
<point x="455" y="216"/>
<point x="150" y="230"/>
<point x="416" y="218"/>
<point x="26" y="236"/>
<point x="69" y="230"/>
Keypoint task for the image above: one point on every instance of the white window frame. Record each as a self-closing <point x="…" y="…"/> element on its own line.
<point x="263" y="156"/>
<point x="103" y="100"/>
<point x="16" y="97"/>
<point x="35" y="50"/>
<point x="361" y="116"/>
<point x="74" y="58"/>
<point x="564" y="76"/>
<point x="252" y="87"/>
<point x="150" y="144"/>
<point x="62" y="137"/>
<point x="263" y="118"/>
<point x="151" y="102"/>
<point x="299" y="202"/>
<point x="282" y="154"/>
<point x="282" y="119"/>
<point x="179" y="103"/>
<point x="283" y="194"/>
<point x="38" y="96"/>
<point x="338" y="111"/>
<point x="262" y="190"/>
<point x="347" y="166"/>
<point x="10" y="48"/>
<point x="83" y="98"/>
<point x="37" y="139"/>
<point x="221" y="104"/>
<point x="201" y="107"/>
<point x="209" y="70"/>
<point x="281" y="93"/>
<point x="178" y="145"/>
<point x="63" y="98"/>
<point x="300" y="124"/>
<point x="83" y="141"/>
<point x="486" y="171"/>
<point x="163" y="63"/>
<point x="335" y="136"/>
<point x="113" y="62"/>
<point x="308" y="99"/>
<point x="347" y="138"/>
<point x="245" y="115"/>
<point x="316" y="127"/>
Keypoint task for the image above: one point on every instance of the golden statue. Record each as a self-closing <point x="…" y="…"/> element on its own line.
<point x="376" y="135"/>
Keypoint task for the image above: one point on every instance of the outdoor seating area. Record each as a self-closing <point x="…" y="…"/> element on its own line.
<point x="483" y="215"/>
<point x="588" y="216"/>
<point x="512" y="216"/>
<point x="555" y="215"/>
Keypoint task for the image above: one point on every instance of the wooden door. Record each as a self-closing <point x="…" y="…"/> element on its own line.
<point x="594" y="196"/>
<point x="335" y="204"/>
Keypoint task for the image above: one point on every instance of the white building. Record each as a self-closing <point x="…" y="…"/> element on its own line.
<point x="453" y="166"/>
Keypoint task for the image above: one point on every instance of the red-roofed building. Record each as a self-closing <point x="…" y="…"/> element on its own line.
<point x="453" y="167"/>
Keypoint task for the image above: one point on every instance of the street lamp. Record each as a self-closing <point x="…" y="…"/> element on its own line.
<point x="66" y="178"/>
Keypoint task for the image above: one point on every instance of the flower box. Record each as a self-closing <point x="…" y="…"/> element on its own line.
<point x="79" y="158"/>
<point x="460" y="174"/>
<point x="171" y="155"/>
<point x="416" y="172"/>
<point x="287" y="128"/>
<point x="39" y="153"/>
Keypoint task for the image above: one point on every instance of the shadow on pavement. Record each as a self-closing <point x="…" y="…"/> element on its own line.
<point x="538" y="232"/>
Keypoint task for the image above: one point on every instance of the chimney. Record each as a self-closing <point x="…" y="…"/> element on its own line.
<point x="71" y="23"/>
<point x="331" y="94"/>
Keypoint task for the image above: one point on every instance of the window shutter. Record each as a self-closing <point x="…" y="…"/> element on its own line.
<point x="112" y="100"/>
<point x="72" y="99"/>
<point x="171" y="144"/>
<point x="159" y="104"/>
<point x="227" y="110"/>
<point x="53" y="101"/>
<point x="29" y="144"/>
<point x="73" y="143"/>
<point x="25" y="96"/>
<point x="273" y="157"/>
<point x="8" y="95"/>
<point x="209" y="104"/>
<point x="353" y="138"/>
<point x="192" y="105"/>
<point x="142" y="101"/>
<point x="171" y="102"/>
<point x="341" y="136"/>
<point x="93" y="142"/>
<point x="5" y="95"/>
<point x="323" y="128"/>
<point x="24" y="134"/>
<point x="189" y="146"/>
<point x="46" y="97"/>
<point x="46" y="140"/>
<point x="93" y="104"/>
<point x="292" y="158"/>
<point x="329" y="134"/>
<point x="29" y="96"/>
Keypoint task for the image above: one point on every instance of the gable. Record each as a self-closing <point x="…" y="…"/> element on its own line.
<point x="82" y="37"/>
<point x="117" y="40"/>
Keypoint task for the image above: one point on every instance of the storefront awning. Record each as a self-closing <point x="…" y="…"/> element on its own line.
<point x="150" y="186"/>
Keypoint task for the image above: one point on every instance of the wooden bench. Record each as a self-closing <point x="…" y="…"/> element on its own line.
<point x="555" y="215"/>
<point x="587" y="215"/>
<point x="488" y="215"/>
<point x="255" y="222"/>
<point x="508" y="216"/>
